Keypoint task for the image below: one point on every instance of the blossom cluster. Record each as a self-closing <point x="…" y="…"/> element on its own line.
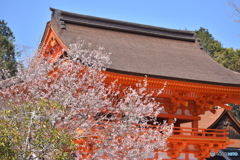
<point x="106" y="121"/>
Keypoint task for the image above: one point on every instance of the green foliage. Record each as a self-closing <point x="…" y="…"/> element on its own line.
<point x="236" y="110"/>
<point x="5" y="31"/>
<point x="228" y="57"/>
<point x="7" y="51"/>
<point x="28" y="129"/>
<point x="7" y="56"/>
<point x="6" y="150"/>
<point x="210" y="45"/>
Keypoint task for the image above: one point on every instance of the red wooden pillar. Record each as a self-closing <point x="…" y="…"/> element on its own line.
<point x="170" y="121"/>
<point x="195" y="125"/>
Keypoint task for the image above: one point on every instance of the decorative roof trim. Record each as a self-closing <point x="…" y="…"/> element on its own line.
<point x="64" y="17"/>
<point x="171" y="78"/>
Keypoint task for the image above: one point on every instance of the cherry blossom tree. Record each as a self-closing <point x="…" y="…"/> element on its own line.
<point x="68" y="101"/>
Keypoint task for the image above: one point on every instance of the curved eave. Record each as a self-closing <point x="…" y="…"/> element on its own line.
<point x="226" y="86"/>
<point x="47" y="35"/>
<point x="139" y="55"/>
<point x="174" y="78"/>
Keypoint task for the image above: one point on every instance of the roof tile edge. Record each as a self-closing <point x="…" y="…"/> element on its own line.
<point x="67" y="17"/>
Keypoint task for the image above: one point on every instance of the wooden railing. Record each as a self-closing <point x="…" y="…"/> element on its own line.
<point x="185" y="132"/>
<point x="200" y="133"/>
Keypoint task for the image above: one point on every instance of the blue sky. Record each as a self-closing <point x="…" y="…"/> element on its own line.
<point x="27" y="18"/>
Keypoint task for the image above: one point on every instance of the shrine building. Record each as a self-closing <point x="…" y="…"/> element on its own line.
<point x="196" y="85"/>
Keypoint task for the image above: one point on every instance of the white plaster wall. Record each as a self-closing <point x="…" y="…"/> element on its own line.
<point x="179" y="112"/>
<point x="163" y="111"/>
<point x="187" y="112"/>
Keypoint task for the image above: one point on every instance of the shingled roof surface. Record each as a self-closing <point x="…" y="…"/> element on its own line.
<point x="144" y="50"/>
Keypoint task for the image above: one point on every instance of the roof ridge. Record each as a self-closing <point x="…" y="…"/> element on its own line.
<point x="74" y="18"/>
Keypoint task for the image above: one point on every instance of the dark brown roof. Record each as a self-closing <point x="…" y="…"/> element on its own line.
<point x="144" y="50"/>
